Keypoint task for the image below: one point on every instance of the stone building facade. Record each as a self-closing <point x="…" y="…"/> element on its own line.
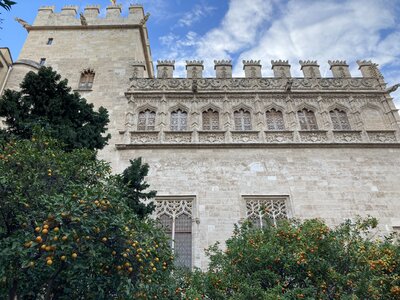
<point x="224" y="149"/>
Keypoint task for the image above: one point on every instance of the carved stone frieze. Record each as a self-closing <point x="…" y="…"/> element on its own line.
<point x="211" y="136"/>
<point x="245" y="136"/>
<point x="178" y="137"/>
<point x="383" y="136"/>
<point x="260" y="84"/>
<point x="347" y="136"/>
<point x="313" y="136"/>
<point x="279" y="136"/>
<point x="144" y="137"/>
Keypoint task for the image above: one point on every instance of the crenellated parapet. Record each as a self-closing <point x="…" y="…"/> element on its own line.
<point x="341" y="76"/>
<point x="68" y="16"/>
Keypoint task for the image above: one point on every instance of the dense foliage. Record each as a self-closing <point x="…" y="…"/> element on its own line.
<point x="46" y="101"/>
<point x="301" y="261"/>
<point x="67" y="232"/>
<point x="6" y="4"/>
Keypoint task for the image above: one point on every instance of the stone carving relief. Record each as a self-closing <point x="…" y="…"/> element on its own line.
<point x="347" y="136"/>
<point x="256" y="84"/>
<point x="245" y="137"/>
<point x="382" y="136"/>
<point x="279" y="136"/>
<point x="144" y="137"/>
<point x="313" y="136"/>
<point x="211" y="137"/>
<point x="178" y="137"/>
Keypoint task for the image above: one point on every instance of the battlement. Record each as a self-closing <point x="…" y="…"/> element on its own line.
<point x="281" y="69"/>
<point x="68" y="16"/>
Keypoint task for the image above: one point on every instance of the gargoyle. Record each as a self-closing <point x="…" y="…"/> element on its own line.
<point x="288" y="86"/>
<point x="22" y="22"/>
<point x="83" y="19"/>
<point x="392" y="88"/>
<point x="144" y="20"/>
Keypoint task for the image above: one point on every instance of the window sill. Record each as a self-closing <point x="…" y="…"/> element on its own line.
<point x="82" y="90"/>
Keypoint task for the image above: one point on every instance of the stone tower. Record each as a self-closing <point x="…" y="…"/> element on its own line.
<point x="226" y="149"/>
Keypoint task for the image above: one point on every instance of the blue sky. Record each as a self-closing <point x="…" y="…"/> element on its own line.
<point x="255" y="29"/>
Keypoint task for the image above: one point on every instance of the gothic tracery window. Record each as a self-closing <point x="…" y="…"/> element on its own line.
<point x="307" y="120"/>
<point x="210" y="120"/>
<point x="339" y="120"/>
<point x="146" y="120"/>
<point x="86" y="80"/>
<point x="275" y="120"/>
<point x="179" y="120"/>
<point x="175" y="217"/>
<point x="262" y="211"/>
<point x="242" y="120"/>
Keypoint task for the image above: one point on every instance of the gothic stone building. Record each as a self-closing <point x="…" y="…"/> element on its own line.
<point x="221" y="148"/>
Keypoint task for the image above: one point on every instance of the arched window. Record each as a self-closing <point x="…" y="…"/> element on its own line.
<point x="178" y="120"/>
<point x="242" y="120"/>
<point x="146" y="120"/>
<point x="307" y="120"/>
<point x="275" y="120"/>
<point x="210" y="120"/>
<point x="86" y="80"/>
<point x="339" y="120"/>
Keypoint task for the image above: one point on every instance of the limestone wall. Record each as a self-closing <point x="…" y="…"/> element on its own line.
<point x="332" y="183"/>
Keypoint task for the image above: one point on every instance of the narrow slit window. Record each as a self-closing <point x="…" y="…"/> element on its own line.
<point x="50" y="41"/>
<point x="42" y="61"/>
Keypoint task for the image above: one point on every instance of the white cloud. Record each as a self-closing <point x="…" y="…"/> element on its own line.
<point x="196" y="14"/>
<point x="299" y="30"/>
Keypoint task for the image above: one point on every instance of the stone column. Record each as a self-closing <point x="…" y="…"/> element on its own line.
<point x="194" y="69"/>
<point x="223" y="68"/>
<point x="165" y="68"/>
<point x="281" y="68"/>
<point x="252" y="68"/>
<point x="339" y="68"/>
<point x="310" y="68"/>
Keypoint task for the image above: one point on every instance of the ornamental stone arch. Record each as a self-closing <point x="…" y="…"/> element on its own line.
<point x="145" y="107"/>
<point x="306" y="106"/>
<point x="339" y="106"/>
<point x="179" y="106"/>
<point x="275" y="106"/>
<point x="212" y="107"/>
<point x="242" y="106"/>
<point x="373" y="117"/>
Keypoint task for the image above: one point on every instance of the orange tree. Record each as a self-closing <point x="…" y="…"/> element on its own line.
<point x="301" y="261"/>
<point x="68" y="232"/>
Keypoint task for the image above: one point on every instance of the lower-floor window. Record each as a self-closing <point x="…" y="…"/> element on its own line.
<point x="175" y="217"/>
<point x="265" y="210"/>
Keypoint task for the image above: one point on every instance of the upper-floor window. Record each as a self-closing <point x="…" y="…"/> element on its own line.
<point x="242" y="120"/>
<point x="146" y="120"/>
<point x="264" y="210"/>
<point x="307" y="120"/>
<point x="339" y="120"/>
<point x="210" y="120"/>
<point x="86" y="80"/>
<point x="42" y="61"/>
<point x="175" y="217"/>
<point x="50" y="41"/>
<point x="178" y="120"/>
<point x="275" y="120"/>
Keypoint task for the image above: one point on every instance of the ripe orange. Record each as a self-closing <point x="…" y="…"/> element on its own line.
<point x="46" y="226"/>
<point x="37" y="229"/>
<point x="45" y="231"/>
<point x="38" y="239"/>
<point x="130" y="269"/>
<point x="56" y="229"/>
<point x="74" y="255"/>
<point x="64" y="238"/>
<point x="63" y="258"/>
<point x="49" y="262"/>
<point x="104" y="239"/>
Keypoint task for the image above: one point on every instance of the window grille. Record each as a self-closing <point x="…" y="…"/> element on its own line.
<point x="307" y="120"/>
<point x="175" y="217"/>
<point x="146" y="120"/>
<point x="242" y="120"/>
<point x="262" y="211"/>
<point x="86" y="80"/>
<point x="339" y="120"/>
<point x="275" y="120"/>
<point x="178" y="120"/>
<point x="210" y="120"/>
